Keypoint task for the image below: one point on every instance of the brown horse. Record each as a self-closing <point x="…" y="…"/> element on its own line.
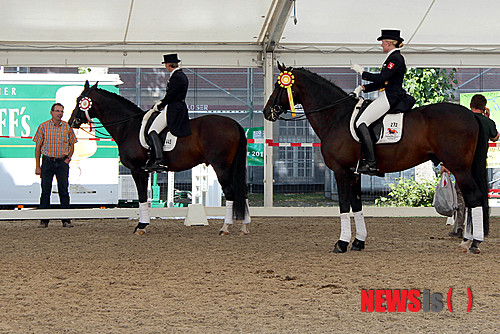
<point x="216" y="140"/>
<point x="442" y="132"/>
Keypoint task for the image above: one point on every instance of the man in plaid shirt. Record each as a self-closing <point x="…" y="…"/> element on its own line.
<point x="55" y="142"/>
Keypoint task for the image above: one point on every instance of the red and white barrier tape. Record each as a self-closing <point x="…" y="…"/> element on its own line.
<point x="29" y="137"/>
<point x="269" y="142"/>
<point x="20" y="137"/>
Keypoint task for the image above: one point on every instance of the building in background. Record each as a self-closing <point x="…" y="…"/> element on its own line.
<point x="239" y="93"/>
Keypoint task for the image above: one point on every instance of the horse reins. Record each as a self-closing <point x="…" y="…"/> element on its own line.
<point x="276" y="107"/>
<point x="103" y="125"/>
<point x="301" y="117"/>
<point x="117" y="122"/>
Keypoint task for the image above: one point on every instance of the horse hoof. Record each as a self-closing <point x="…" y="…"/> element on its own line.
<point x="139" y="231"/>
<point x="244" y="230"/>
<point x="340" y="246"/>
<point x="357" y="245"/>
<point x="223" y="233"/>
<point x="474" y="250"/>
<point x="474" y="247"/>
<point x="464" y="246"/>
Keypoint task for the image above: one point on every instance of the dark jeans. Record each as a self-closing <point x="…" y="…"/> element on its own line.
<point x="60" y="169"/>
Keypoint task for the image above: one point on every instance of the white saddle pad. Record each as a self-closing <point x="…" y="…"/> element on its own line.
<point x="391" y="131"/>
<point x="170" y="141"/>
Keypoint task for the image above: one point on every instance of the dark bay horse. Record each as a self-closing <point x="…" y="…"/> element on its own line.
<point x="442" y="132"/>
<point x="216" y="140"/>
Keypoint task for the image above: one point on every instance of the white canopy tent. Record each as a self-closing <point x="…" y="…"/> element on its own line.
<point x="238" y="33"/>
<point x="234" y="33"/>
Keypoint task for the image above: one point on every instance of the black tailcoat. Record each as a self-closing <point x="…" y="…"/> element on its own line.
<point x="177" y="111"/>
<point x="391" y="79"/>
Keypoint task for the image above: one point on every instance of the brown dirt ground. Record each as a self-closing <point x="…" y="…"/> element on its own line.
<point x="282" y="278"/>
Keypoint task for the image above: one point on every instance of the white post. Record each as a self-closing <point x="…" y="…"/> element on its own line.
<point x="170" y="189"/>
<point x="268" y="133"/>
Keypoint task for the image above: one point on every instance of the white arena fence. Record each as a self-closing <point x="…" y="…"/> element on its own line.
<point x="166" y="213"/>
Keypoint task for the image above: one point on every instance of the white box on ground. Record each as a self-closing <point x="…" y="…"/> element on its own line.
<point x="196" y="215"/>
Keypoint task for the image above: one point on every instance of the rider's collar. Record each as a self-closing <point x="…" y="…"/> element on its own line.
<point x="177" y="68"/>
<point x="396" y="49"/>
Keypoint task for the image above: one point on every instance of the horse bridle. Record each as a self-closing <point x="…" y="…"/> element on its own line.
<point x="85" y="111"/>
<point x="277" y="109"/>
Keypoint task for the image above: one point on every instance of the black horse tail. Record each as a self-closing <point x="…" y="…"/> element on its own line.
<point x="239" y="177"/>
<point x="479" y="173"/>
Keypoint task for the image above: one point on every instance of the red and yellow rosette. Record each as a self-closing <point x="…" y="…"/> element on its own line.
<point x="286" y="80"/>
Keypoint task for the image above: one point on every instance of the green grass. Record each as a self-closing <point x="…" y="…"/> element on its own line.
<point x="292" y="200"/>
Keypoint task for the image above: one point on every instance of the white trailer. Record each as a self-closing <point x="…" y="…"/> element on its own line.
<point x="25" y="101"/>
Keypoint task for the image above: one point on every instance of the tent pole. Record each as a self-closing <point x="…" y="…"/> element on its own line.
<point x="268" y="133"/>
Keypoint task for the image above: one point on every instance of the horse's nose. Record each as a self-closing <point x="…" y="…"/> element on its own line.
<point x="268" y="113"/>
<point x="265" y="112"/>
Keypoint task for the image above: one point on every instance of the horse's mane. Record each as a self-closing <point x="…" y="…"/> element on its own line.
<point x="121" y="99"/>
<point x="319" y="79"/>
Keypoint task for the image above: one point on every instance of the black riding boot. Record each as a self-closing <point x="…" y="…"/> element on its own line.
<point x="155" y="164"/>
<point x="368" y="164"/>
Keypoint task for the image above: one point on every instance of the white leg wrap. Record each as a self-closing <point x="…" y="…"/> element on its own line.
<point x="228" y="218"/>
<point x="477" y="223"/>
<point x="225" y="227"/>
<point x="247" y="219"/>
<point x="345" y="227"/>
<point x="359" y="220"/>
<point x="468" y="225"/>
<point x="144" y="213"/>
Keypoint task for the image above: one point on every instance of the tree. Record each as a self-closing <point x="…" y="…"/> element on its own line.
<point x="430" y="85"/>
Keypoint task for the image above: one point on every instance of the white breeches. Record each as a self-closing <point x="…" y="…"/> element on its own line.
<point x="375" y="110"/>
<point x="160" y="122"/>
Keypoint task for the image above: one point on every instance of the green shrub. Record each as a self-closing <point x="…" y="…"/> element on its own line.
<point x="409" y="193"/>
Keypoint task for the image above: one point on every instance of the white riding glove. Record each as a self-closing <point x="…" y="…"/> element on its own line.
<point x="357" y="68"/>
<point x="358" y="91"/>
<point x="156" y="106"/>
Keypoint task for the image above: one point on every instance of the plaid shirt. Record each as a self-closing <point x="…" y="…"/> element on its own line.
<point x="55" y="140"/>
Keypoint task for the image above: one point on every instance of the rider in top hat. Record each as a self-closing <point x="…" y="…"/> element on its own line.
<point x="389" y="82"/>
<point x="176" y="114"/>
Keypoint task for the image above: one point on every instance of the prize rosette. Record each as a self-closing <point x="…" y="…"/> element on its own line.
<point x="286" y="80"/>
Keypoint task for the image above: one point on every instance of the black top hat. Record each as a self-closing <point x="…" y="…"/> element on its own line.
<point x="391" y="34"/>
<point x="170" y="58"/>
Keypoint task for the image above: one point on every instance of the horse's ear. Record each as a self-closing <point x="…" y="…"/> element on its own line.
<point x="95" y="85"/>
<point x="86" y="85"/>
<point x="281" y="67"/>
